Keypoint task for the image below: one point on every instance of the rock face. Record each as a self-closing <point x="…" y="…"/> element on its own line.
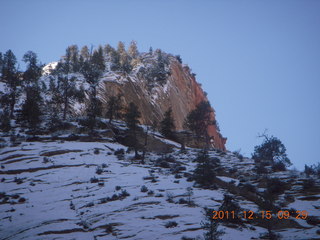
<point x="181" y="92"/>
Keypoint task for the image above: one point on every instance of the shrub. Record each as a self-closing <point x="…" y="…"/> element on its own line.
<point x="150" y="192"/>
<point x="187" y="238"/>
<point x="108" y="228"/>
<point x="18" y="180"/>
<point x="96" y="151"/>
<point x="171" y="224"/>
<point x="124" y="194"/>
<point x="101" y="184"/>
<point x="275" y="186"/>
<point x="272" y="150"/>
<point x="72" y="207"/>
<point x="94" y="180"/>
<point x="177" y="176"/>
<point x="205" y="172"/>
<point x="21" y="200"/>
<point x="170" y="197"/>
<point x="90" y="204"/>
<point x="260" y="168"/>
<point x="279" y="166"/>
<point x="162" y="162"/>
<point x="308" y="170"/>
<point x="249" y="187"/>
<point x="119" y="152"/>
<point x="229" y="204"/>
<point x="182" y="201"/>
<point x="118" y="188"/>
<point x="99" y="170"/>
<point x="144" y="189"/>
<point x="178" y="57"/>
<point x="45" y="160"/>
<point x="308" y="184"/>
<point x="210" y="226"/>
<point x="238" y="155"/>
<point x="313" y="220"/>
<point x="289" y="198"/>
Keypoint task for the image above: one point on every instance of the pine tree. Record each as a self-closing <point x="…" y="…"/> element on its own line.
<point x="98" y="59"/>
<point x="73" y="57"/>
<point x="84" y="53"/>
<point x="115" y="60"/>
<point x="113" y="107"/>
<point x="133" y="50"/>
<point x="167" y="125"/>
<point x="9" y="75"/>
<point x="5" y="125"/>
<point x="205" y="171"/>
<point x="1" y="64"/>
<point x="199" y="119"/>
<point x="211" y="225"/>
<point x="124" y="58"/>
<point x="132" y="119"/>
<point x="272" y="151"/>
<point x="108" y="49"/>
<point x="65" y="90"/>
<point x="121" y="48"/>
<point x="92" y="70"/>
<point x="229" y="204"/>
<point x="55" y="102"/>
<point x="31" y="110"/>
<point x="158" y="71"/>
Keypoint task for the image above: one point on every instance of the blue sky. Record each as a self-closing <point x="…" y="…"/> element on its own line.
<point x="259" y="61"/>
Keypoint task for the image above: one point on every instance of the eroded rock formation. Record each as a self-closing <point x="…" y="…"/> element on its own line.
<point x="181" y="92"/>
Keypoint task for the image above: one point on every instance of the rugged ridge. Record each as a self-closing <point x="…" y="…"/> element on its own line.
<point x="181" y="91"/>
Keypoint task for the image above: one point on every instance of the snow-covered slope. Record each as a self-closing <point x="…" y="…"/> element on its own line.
<point x="85" y="190"/>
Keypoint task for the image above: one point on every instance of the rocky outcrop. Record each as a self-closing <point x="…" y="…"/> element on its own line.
<point x="181" y="92"/>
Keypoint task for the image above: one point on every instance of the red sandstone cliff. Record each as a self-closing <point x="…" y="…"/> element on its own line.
<point x="181" y="91"/>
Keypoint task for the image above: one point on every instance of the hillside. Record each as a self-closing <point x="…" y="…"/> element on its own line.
<point x="57" y="188"/>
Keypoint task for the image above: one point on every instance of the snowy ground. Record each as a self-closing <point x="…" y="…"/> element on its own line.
<point x="53" y="190"/>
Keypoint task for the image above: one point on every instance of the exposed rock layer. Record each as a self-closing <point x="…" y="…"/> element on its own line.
<point x="181" y="92"/>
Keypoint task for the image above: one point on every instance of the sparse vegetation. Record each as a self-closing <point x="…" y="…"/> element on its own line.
<point x="171" y="224"/>
<point x="230" y="204"/>
<point x="18" y="180"/>
<point x="210" y="226"/>
<point x="144" y="189"/>
<point x="238" y="155"/>
<point x="273" y="152"/>
<point x="205" y="172"/>
<point x="94" y="180"/>
<point x="99" y="170"/>
<point x="308" y="184"/>
<point x="170" y="197"/>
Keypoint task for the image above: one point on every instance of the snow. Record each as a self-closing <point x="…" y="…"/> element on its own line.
<point x="228" y="179"/>
<point x="46" y="70"/>
<point x="51" y="186"/>
<point x="2" y="87"/>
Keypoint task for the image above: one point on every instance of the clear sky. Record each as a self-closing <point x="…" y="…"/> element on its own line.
<point x="259" y="61"/>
